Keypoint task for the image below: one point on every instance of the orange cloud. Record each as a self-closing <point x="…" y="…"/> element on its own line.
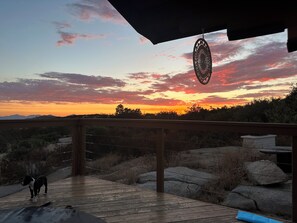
<point x="217" y="101"/>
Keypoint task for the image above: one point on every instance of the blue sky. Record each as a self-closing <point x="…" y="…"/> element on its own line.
<point x="58" y="56"/>
<point x="30" y="32"/>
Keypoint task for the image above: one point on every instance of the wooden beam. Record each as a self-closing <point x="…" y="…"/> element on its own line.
<point x="160" y="161"/>
<point x="211" y="126"/>
<point x="32" y="123"/>
<point x="292" y="39"/>
<point x="78" y="148"/>
<point x="294" y="178"/>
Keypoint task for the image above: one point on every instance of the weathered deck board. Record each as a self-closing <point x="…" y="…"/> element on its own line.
<point x="116" y="202"/>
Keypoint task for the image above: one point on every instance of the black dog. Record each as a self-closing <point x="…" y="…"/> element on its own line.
<point x="35" y="185"/>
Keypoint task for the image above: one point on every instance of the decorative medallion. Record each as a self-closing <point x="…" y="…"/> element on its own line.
<point x="202" y="61"/>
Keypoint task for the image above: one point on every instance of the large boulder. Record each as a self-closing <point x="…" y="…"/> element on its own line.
<point x="270" y="200"/>
<point x="180" y="181"/>
<point x="265" y="172"/>
<point x="175" y="187"/>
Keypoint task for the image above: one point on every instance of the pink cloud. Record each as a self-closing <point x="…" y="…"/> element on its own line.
<point x="220" y="101"/>
<point x="188" y="56"/>
<point x="70" y="38"/>
<point x="143" y="40"/>
<point x="256" y="67"/>
<point x="61" y="25"/>
<point x="260" y="86"/>
<point x="157" y="76"/>
<point x="267" y="62"/>
<point x="187" y="82"/>
<point x="56" y="91"/>
<point x="146" y="82"/>
<point x="168" y="56"/>
<point x="80" y="79"/>
<point x="60" y="88"/>
<point x="163" y="102"/>
<point x="101" y="9"/>
<point x="139" y="75"/>
<point x="221" y="51"/>
<point x="265" y="94"/>
<point x="146" y="77"/>
<point x="226" y="51"/>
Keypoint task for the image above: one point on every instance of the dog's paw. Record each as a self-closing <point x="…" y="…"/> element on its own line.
<point x="34" y="199"/>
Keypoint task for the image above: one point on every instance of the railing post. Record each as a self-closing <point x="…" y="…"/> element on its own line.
<point x="160" y="161"/>
<point x="78" y="148"/>
<point x="294" y="178"/>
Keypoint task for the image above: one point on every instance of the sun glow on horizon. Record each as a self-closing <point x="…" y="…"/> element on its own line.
<point x="66" y="109"/>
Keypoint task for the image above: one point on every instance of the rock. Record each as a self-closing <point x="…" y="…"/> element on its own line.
<point x="6" y="190"/>
<point x="175" y="187"/>
<point x="59" y="174"/>
<point x="180" y="181"/>
<point x="270" y="200"/>
<point x="239" y="201"/>
<point x="265" y="172"/>
<point x="182" y="174"/>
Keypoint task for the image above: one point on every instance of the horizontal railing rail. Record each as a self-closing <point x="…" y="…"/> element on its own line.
<point x="78" y="129"/>
<point x="213" y="126"/>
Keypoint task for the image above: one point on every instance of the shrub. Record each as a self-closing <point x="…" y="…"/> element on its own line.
<point x="230" y="171"/>
<point x="106" y="162"/>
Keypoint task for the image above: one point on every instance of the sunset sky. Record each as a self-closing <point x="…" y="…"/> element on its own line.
<point x="81" y="57"/>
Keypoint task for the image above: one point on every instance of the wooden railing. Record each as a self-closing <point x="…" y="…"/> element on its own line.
<point x="78" y="127"/>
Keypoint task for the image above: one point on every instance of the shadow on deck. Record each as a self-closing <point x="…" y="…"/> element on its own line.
<point x="116" y="202"/>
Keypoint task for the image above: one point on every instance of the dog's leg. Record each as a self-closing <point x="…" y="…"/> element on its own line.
<point x="35" y="191"/>
<point x="35" y="194"/>
<point x="45" y="185"/>
<point x="31" y="193"/>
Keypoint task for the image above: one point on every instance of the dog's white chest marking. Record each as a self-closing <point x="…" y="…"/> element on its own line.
<point x="31" y="184"/>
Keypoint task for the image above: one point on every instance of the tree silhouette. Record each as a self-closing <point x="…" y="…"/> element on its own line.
<point x="122" y="112"/>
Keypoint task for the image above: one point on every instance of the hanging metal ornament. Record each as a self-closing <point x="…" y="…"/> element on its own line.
<point x="202" y="61"/>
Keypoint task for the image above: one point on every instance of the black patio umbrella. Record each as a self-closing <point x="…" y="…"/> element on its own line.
<point x="164" y="20"/>
<point x="47" y="214"/>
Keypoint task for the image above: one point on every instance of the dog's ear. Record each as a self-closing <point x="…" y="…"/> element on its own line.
<point x="26" y="180"/>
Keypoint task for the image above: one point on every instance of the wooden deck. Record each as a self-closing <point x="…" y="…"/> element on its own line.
<point x="116" y="202"/>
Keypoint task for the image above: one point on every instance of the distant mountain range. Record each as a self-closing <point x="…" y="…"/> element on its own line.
<point x="17" y="117"/>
